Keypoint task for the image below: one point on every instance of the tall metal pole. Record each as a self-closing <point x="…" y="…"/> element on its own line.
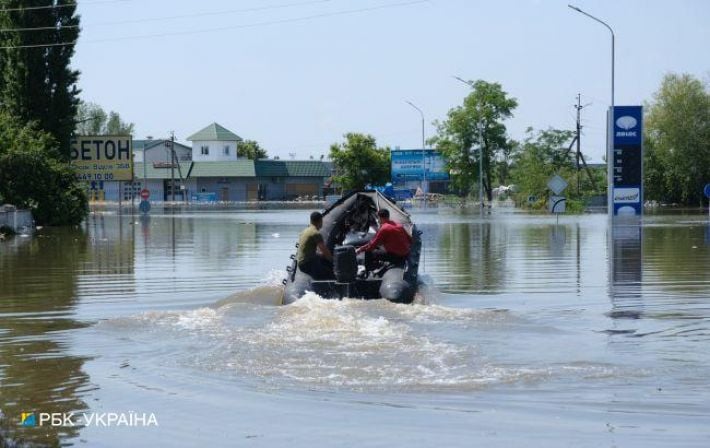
<point x="172" y="167"/>
<point x="145" y="146"/>
<point x="610" y="120"/>
<point x="579" y="136"/>
<point x="424" y="185"/>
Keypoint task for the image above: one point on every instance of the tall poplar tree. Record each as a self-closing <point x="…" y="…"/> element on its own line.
<point x="37" y="83"/>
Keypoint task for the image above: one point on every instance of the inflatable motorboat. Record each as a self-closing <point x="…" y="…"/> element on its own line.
<point x="348" y="224"/>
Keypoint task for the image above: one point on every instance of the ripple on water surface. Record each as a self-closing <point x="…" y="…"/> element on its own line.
<point x="327" y="344"/>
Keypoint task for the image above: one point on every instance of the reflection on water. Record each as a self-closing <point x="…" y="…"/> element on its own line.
<point x="175" y="313"/>
<point x="625" y="269"/>
<point x="37" y="301"/>
<point x="474" y="255"/>
<point x="659" y="282"/>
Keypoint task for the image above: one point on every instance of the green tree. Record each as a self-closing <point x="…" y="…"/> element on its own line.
<point x="541" y="155"/>
<point x="251" y="150"/>
<point x="477" y="123"/>
<point x="116" y="126"/>
<point x="91" y="119"/>
<point x="359" y="162"/>
<point x="677" y="137"/>
<point x="37" y="83"/>
<point x="31" y="178"/>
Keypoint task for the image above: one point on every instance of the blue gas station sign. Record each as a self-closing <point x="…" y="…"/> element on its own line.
<point x="627" y="160"/>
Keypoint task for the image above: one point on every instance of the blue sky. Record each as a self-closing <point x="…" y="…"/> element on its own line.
<point x="295" y="75"/>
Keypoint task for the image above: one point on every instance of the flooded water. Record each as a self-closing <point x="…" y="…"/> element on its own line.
<point x="528" y="333"/>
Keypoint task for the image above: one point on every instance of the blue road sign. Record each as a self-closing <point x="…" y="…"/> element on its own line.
<point x="706" y="190"/>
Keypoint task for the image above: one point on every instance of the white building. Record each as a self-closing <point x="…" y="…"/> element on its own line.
<point x="214" y="144"/>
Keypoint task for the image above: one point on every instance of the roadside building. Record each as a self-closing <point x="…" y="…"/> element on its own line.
<point x="232" y="181"/>
<point x="158" y="177"/>
<point x="158" y="173"/>
<point x="289" y="179"/>
<point x="210" y="170"/>
<point x="214" y="143"/>
<point x="158" y="150"/>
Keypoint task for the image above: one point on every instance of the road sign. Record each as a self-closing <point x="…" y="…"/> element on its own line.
<point x="144" y="206"/>
<point x="557" y="184"/>
<point x="557" y="204"/>
<point x="707" y="191"/>
<point x="145" y="194"/>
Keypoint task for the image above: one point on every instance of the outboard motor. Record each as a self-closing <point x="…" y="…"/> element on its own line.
<point x="345" y="264"/>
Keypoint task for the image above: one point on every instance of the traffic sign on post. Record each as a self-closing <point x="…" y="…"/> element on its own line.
<point x="557" y="184"/>
<point x="145" y="194"/>
<point x="144" y="207"/>
<point x="706" y="190"/>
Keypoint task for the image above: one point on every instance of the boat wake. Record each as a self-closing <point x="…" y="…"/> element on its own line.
<point x="319" y="343"/>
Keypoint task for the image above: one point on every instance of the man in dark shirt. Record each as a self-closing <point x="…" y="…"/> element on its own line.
<point x="392" y="237"/>
<point x="318" y="266"/>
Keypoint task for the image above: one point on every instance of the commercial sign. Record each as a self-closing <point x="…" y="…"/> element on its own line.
<point x="102" y="157"/>
<point x="204" y="197"/>
<point x="627" y="162"/>
<point x="408" y="164"/>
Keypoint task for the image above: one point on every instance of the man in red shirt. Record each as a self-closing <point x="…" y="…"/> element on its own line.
<point x="392" y="237"/>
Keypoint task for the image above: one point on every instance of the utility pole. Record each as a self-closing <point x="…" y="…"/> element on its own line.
<point x="577" y="139"/>
<point x="172" y="166"/>
<point x="579" y="107"/>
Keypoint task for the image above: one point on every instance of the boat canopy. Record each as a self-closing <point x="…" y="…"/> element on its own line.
<point x="357" y="212"/>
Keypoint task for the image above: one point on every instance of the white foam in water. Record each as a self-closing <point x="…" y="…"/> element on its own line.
<point x="199" y="319"/>
<point x="340" y="343"/>
<point x="275" y="277"/>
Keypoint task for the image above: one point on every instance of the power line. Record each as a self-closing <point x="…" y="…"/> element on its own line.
<point x="212" y="13"/>
<point x="39" y="28"/>
<point x="265" y="23"/>
<point x="183" y="16"/>
<point x="67" y="5"/>
<point x="226" y="28"/>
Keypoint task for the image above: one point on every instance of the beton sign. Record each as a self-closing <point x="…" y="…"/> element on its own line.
<point x="102" y="157"/>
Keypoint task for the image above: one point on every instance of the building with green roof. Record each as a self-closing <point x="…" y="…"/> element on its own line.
<point x="230" y="181"/>
<point x="212" y="169"/>
<point x="290" y="179"/>
<point x="214" y="143"/>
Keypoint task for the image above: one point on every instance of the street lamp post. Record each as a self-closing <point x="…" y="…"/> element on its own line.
<point x="480" y="153"/>
<point x="610" y="121"/>
<point x="424" y="185"/>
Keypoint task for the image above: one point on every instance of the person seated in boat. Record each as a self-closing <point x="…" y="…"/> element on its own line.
<point x="317" y="265"/>
<point x="391" y="242"/>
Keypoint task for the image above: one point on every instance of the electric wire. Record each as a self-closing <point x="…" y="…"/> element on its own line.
<point x="66" y="5"/>
<point x="175" y="17"/>
<point x="226" y="28"/>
